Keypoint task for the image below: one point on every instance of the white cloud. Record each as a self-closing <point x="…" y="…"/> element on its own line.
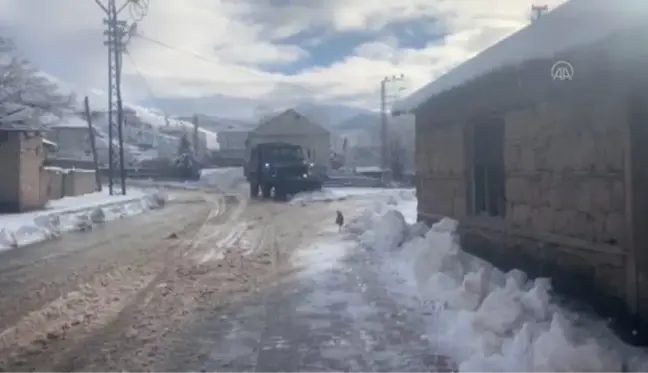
<point x="241" y="37"/>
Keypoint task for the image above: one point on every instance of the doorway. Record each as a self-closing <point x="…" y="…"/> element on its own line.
<point x="487" y="167"/>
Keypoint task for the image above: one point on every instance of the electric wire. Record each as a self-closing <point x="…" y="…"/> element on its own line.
<point x="199" y="56"/>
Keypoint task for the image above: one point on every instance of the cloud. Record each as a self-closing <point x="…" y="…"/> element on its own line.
<point x="263" y="52"/>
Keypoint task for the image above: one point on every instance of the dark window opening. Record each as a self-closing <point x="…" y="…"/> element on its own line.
<point x="489" y="196"/>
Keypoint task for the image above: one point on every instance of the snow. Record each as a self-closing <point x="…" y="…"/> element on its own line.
<point x="71" y="121"/>
<point x="222" y="178"/>
<point x="575" y="23"/>
<point x="157" y="119"/>
<point x="71" y="214"/>
<point x="480" y="317"/>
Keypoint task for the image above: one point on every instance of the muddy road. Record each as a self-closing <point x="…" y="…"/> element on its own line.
<point x="120" y="296"/>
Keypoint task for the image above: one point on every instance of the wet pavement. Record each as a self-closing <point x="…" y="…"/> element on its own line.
<point x="335" y="318"/>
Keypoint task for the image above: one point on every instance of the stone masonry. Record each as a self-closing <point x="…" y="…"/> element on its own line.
<point x="565" y="192"/>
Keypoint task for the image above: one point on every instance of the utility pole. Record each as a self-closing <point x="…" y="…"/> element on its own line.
<point x="384" y="130"/>
<point x="115" y="32"/>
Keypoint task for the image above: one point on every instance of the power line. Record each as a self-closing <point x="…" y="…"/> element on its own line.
<point x="198" y="56"/>
<point x="139" y="72"/>
<point x="163" y="44"/>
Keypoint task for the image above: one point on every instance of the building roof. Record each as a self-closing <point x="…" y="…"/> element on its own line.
<point x="50" y="144"/>
<point x="575" y="23"/>
<point x="289" y="122"/>
<point x="71" y="121"/>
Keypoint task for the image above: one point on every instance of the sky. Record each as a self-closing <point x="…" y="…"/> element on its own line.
<point x="234" y="58"/>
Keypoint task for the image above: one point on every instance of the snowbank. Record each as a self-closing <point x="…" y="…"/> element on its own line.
<point x="222" y="178"/>
<point x="482" y="318"/>
<point x="219" y="179"/>
<point x="72" y="214"/>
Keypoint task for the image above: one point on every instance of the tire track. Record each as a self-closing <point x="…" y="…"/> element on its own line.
<point x="28" y="289"/>
<point x="130" y="320"/>
<point x="67" y="319"/>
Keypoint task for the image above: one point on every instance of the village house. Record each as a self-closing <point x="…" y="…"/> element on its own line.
<point x="231" y="148"/>
<point x="537" y="147"/>
<point x="294" y="128"/>
<point x="72" y="137"/>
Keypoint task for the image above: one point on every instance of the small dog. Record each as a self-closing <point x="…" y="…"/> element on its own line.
<point x="339" y="220"/>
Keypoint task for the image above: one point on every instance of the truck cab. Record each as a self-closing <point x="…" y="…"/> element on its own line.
<point x="281" y="167"/>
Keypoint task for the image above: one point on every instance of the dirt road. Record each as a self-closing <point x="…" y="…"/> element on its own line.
<point x="113" y="298"/>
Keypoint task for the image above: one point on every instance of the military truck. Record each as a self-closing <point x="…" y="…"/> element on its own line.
<point x="279" y="167"/>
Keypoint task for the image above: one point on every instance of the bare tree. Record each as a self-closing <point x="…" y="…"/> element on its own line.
<point x="27" y="95"/>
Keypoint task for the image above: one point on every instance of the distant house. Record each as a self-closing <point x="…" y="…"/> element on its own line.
<point x="547" y="171"/>
<point x="294" y="128"/>
<point x="72" y="138"/>
<point x="231" y="148"/>
<point x="232" y="140"/>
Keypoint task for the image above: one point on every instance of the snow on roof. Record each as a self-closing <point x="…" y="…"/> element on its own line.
<point x="71" y="121"/>
<point x="49" y="143"/>
<point x="157" y="119"/>
<point x="574" y="23"/>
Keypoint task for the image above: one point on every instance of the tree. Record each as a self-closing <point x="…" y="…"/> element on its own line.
<point x="185" y="163"/>
<point x="27" y="96"/>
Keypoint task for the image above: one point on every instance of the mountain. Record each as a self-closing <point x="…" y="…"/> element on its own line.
<point x="217" y="124"/>
<point x="330" y="115"/>
<point x="360" y="121"/>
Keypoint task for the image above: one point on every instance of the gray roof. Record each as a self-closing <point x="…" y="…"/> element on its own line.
<point x="575" y="23"/>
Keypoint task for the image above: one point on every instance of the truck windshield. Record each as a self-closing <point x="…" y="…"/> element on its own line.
<point x="285" y="154"/>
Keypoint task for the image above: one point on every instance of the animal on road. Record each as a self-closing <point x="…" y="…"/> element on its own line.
<point x="339" y="220"/>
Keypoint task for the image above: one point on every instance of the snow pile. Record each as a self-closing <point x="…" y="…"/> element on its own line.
<point x="222" y="178"/>
<point x="482" y="318"/>
<point x="73" y="214"/>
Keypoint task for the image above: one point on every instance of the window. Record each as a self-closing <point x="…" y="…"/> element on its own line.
<point x="488" y="172"/>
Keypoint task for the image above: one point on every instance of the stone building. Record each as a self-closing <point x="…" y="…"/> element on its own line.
<point x="548" y="172"/>
<point x="21" y="161"/>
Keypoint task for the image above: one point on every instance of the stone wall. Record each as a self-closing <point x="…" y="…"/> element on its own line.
<point x="565" y="194"/>
<point x="440" y="168"/>
<point x="32" y="156"/>
<point x="79" y="182"/>
<point x="52" y="179"/>
<point x="564" y="166"/>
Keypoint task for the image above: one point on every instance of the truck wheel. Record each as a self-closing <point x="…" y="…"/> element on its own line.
<point x="254" y="190"/>
<point x="280" y="194"/>
<point x="266" y="188"/>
